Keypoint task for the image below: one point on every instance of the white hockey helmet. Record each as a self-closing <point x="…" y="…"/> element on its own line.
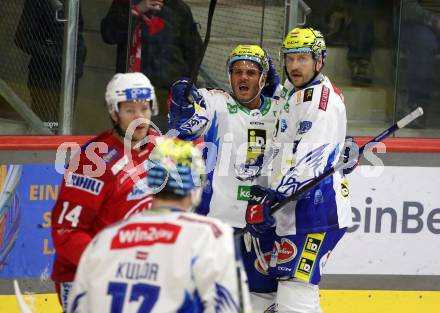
<point x="130" y="87"/>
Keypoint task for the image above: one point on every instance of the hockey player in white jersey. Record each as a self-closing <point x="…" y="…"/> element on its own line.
<point x="236" y="128"/>
<point x="167" y="259"/>
<point x="309" y="140"/>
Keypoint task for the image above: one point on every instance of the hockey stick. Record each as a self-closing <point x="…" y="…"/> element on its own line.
<point x="195" y="70"/>
<point x="370" y="144"/>
<point x="23" y="307"/>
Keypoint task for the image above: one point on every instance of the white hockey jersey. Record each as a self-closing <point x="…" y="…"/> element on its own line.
<point x="309" y="140"/>
<point x="235" y="137"/>
<point x="163" y="261"/>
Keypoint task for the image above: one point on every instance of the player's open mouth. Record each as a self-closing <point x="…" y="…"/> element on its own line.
<point x="243" y="88"/>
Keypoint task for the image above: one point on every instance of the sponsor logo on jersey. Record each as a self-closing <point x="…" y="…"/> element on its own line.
<point x="140" y="190"/>
<point x="258" y="266"/>
<point x="283" y="93"/>
<point x="308" y="256"/>
<point x="312" y="245"/>
<point x="258" y="123"/>
<point x="318" y="198"/>
<point x="85" y="183"/>
<point x="305" y="266"/>
<point x="283" y="123"/>
<point x="110" y="155"/>
<point x="145" y="234"/>
<point x="286" y="107"/>
<point x="345" y="191"/>
<point x="256" y="143"/>
<point x="308" y="94"/>
<point x="325" y="93"/>
<point x="243" y="193"/>
<point x="287" y="251"/>
<point x="232" y="108"/>
<point x="304" y="127"/>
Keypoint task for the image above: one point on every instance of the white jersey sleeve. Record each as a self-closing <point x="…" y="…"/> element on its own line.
<point x="160" y="262"/>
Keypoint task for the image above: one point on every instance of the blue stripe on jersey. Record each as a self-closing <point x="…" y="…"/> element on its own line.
<point x="224" y="302"/>
<point x="211" y="159"/>
<point x="191" y="304"/>
<point x="316" y="211"/>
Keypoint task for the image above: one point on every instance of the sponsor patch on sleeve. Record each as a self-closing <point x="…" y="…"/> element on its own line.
<point x="304" y="127"/>
<point x="85" y="183"/>
<point x="325" y="93"/>
<point x="109" y="156"/>
<point x="308" y="94"/>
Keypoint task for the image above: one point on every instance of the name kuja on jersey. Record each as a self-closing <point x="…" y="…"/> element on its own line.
<point x="145" y="234"/>
<point x="85" y="183"/>
<point x="136" y="271"/>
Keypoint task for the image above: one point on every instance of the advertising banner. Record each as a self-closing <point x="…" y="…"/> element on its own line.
<point x="27" y="195"/>
<point x="396" y="222"/>
<point x="396" y="229"/>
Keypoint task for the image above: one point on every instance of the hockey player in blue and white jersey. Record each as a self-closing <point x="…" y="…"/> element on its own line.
<point x="165" y="260"/>
<point x="236" y="128"/>
<point x="309" y="140"/>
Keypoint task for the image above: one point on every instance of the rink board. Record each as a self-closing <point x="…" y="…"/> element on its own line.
<point x="332" y="301"/>
<point x="393" y="244"/>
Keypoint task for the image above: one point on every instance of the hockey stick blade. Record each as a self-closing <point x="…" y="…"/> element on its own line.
<point x="196" y="69"/>
<point x="370" y="144"/>
<point x="20" y="300"/>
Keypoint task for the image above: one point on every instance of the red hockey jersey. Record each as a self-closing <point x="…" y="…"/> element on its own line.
<point x="102" y="185"/>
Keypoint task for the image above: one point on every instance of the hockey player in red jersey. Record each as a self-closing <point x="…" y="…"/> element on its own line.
<point x="106" y="180"/>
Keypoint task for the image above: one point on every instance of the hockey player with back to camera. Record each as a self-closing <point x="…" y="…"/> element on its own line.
<point x="309" y="139"/>
<point x="105" y="181"/>
<point x="167" y="259"/>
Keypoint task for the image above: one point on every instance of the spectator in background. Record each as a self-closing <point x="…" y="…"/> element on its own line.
<point x="420" y="40"/>
<point x="361" y="33"/>
<point x="164" y="42"/>
<point x="351" y="23"/>
<point x="40" y="35"/>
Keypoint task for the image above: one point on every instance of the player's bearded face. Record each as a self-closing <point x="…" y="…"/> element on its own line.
<point x="138" y="112"/>
<point x="245" y="80"/>
<point x="301" y="67"/>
